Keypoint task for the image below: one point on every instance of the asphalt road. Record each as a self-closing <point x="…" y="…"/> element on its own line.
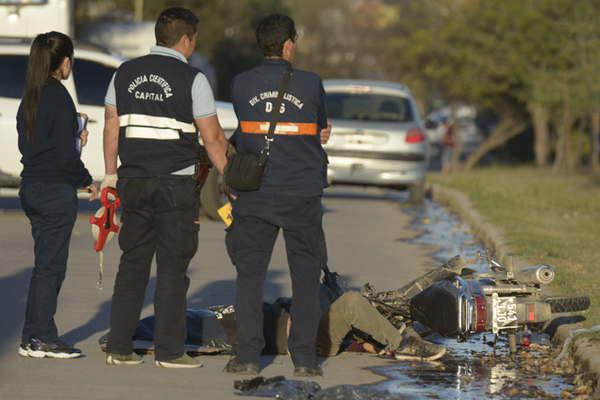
<point x="364" y="230"/>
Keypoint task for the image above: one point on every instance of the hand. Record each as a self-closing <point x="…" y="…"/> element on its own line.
<point x="93" y="191"/>
<point x="325" y="134"/>
<point x="110" y="180"/>
<point x="84" y="137"/>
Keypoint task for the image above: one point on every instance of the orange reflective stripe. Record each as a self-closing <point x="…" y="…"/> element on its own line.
<point x="283" y="128"/>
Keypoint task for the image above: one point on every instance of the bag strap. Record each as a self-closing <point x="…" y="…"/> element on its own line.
<point x="270" y="136"/>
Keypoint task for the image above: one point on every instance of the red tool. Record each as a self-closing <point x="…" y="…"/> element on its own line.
<point x="104" y="222"/>
<point x="105" y="225"/>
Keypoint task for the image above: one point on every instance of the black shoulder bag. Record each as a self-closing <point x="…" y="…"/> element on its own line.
<point x="244" y="171"/>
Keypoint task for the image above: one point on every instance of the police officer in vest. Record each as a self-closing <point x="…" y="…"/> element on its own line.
<point x="155" y="106"/>
<point x="289" y="197"/>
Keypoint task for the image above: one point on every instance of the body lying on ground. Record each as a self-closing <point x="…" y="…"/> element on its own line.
<point x="351" y="321"/>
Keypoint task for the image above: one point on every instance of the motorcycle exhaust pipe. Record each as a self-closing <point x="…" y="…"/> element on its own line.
<point x="537" y="274"/>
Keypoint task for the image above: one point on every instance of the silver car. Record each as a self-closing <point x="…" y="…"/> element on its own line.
<point x="378" y="137"/>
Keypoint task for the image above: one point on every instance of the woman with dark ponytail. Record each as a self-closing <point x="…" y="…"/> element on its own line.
<point x="52" y="172"/>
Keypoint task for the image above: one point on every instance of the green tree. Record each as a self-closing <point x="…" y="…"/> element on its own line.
<point x="528" y="60"/>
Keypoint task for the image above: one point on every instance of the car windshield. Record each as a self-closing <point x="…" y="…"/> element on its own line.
<point x="368" y="107"/>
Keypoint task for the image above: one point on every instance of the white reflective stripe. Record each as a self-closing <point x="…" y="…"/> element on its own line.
<point x="286" y="128"/>
<point x="157" y="122"/>
<point x="144" y="132"/>
<point x="185" y="171"/>
<point x="281" y="128"/>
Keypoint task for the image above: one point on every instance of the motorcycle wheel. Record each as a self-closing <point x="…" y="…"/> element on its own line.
<point x="568" y="304"/>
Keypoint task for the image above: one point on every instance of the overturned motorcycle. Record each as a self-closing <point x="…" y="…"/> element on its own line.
<point x="505" y="301"/>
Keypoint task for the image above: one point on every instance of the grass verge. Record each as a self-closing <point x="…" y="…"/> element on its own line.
<point x="545" y="217"/>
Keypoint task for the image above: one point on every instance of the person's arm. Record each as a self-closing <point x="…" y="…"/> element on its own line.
<point x="110" y="136"/>
<point x="205" y="117"/>
<point x="67" y="156"/>
<point x="324" y="125"/>
<point x="214" y="140"/>
<point x="111" y="145"/>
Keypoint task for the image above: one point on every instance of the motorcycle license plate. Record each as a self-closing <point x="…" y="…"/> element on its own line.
<point x="504" y="311"/>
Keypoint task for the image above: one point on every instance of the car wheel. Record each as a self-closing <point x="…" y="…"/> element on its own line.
<point x="416" y="193"/>
<point x="212" y="197"/>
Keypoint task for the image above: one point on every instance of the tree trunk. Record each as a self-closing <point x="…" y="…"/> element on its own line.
<point x="595" y="139"/>
<point x="563" y="160"/>
<point x="540" y="118"/>
<point x="507" y="128"/>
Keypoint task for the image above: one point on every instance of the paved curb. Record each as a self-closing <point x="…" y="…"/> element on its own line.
<point x="585" y="353"/>
<point x="488" y="234"/>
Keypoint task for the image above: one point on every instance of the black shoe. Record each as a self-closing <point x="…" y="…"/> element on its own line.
<point x="234" y="366"/>
<point x="307" y="372"/>
<point x="57" y="349"/>
<point x="184" y="361"/>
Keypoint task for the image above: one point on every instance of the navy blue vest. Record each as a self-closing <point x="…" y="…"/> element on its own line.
<point x="298" y="164"/>
<point x="157" y="134"/>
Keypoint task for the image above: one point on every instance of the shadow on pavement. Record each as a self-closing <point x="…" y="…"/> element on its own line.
<point x="100" y="322"/>
<point x="213" y="293"/>
<point x="13" y="287"/>
<point x="222" y="292"/>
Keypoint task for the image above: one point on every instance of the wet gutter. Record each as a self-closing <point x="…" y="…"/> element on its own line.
<point x="584" y="351"/>
<point x="471" y="370"/>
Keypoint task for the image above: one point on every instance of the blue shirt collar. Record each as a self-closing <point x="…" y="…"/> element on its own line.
<point x="275" y="61"/>
<point x="165" y="51"/>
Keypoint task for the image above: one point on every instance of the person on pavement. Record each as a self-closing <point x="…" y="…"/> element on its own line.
<point x="289" y="197"/>
<point x="52" y="173"/>
<point x="349" y="322"/>
<point x="155" y="106"/>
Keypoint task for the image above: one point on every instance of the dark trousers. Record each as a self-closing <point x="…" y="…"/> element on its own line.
<point x="158" y="218"/>
<point x="257" y="219"/>
<point x="52" y="211"/>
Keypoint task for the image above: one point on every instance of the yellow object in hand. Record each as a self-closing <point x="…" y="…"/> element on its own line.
<point x="225" y="214"/>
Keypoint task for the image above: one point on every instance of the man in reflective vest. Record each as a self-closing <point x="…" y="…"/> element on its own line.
<point x="155" y="106"/>
<point x="289" y="197"/>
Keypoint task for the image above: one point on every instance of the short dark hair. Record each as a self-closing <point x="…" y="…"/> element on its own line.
<point x="273" y="31"/>
<point x="172" y="24"/>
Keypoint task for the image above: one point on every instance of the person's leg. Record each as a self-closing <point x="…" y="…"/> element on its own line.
<point x="305" y="270"/>
<point x="353" y="311"/>
<point x="307" y="254"/>
<point x="36" y="221"/>
<point x="52" y="210"/>
<point x="177" y="244"/>
<point x="137" y="240"/>
<point x="250" y="242"/>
